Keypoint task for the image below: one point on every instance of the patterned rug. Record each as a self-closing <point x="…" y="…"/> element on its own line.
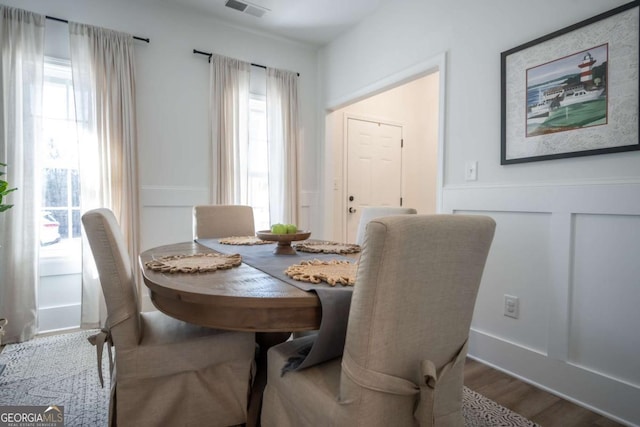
<point x="61" y="370"/>
<point x="478" y="411"/>
<point x="57" y="370"/>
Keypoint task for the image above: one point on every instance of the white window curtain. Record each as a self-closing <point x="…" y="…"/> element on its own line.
<point x="102" y="64"/>
<point x="21" y="71"/>
<point x="229" y="104"/>
<point x="283" y="135"/>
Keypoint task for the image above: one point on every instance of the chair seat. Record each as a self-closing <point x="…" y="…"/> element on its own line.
<point x="310" y="394"/>
<point x="171" y="346"/>
<point x="197" y="376"/>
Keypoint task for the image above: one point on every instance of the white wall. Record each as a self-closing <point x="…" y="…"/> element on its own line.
<point x="414" y="106"/>
<point x="172" y="97"/>
<point x="172" y="102"/>
<point x="567" y="229"/>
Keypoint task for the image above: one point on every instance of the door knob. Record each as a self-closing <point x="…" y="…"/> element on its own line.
<point x="352" y="210"/>
<point x="351" y="198"/>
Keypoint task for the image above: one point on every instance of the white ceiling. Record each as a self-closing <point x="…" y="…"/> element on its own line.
<point x="310" y="21"/>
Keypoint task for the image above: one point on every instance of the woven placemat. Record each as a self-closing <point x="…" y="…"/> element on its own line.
<point x="194" y="263"/>
<point x="333" y="272"/>
<point x="243" y="240"/>
<point x="327" y="248"/>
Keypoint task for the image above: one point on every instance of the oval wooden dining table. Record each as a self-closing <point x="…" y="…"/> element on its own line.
<point x="240" y="298"/>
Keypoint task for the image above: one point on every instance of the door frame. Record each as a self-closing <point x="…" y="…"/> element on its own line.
<point x="432" y="65"/>
<point x="345" y="156"/>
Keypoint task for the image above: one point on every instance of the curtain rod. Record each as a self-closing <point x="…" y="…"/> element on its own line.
<point x="199" y="52"/>
<point x="53" y="18"/>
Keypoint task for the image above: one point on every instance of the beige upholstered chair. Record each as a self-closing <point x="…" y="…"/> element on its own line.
<point x="167" y="372"/>
<point x="409" y="322"/>
<point x="213" y="221"/>
<point x="372" y="212"/>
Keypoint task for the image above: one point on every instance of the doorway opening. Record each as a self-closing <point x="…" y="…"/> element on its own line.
<point x="373" y="174"/>
<point x="415" y="103"/>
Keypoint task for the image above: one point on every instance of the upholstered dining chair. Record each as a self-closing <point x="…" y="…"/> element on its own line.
<point x="407" y="332"/>
<point x="372" y="212"/>
<point x="212" y="221"/>
<point x="215" y="221"/>
<point x="166" y="372"/>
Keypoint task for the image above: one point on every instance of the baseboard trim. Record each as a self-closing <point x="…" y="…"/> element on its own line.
<point x="500" y="354"/>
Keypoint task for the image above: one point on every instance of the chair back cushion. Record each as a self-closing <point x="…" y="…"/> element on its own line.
<point x="116" y="275"/>
<point x="372" y="212"/>
<point x="413" y="300"/>
<point x="213" y="221"/>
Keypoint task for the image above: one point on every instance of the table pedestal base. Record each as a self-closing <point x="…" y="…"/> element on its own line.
<point x="265" y="341"/>
<point x="284" y="248"/>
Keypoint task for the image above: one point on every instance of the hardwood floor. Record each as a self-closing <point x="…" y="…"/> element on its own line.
<point x="537" y="405"/>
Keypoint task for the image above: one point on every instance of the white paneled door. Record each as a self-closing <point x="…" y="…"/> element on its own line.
<point x="374" y="168"/>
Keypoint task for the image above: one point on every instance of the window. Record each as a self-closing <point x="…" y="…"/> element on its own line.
<point x="60" y="284"/>
<point x="258" y="162"/>
<point x="60" y="217"/>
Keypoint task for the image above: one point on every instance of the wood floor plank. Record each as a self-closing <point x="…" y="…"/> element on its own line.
<point x="533" y="403"/>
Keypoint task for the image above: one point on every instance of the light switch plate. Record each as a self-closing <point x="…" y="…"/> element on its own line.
<point x="471" y="170"/>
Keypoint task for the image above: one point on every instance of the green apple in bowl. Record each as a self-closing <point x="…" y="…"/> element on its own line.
<point x="291" y="229"/>
<point x="279" y="229"/>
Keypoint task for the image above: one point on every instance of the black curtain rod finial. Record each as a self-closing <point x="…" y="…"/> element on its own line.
<point x="199" y="52"/>
<point x="210" y="55"/>
<point x="53" y="18"/>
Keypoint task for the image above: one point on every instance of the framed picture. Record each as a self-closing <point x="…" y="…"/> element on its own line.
<point x="573" y="92"/>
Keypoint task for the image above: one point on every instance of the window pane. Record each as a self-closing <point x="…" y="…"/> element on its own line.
<point x="63" y="218"/>
<point x="60" y="176"/>
<point x="76" y="223"/>
<point x="55" y="188"/>
<point x="75" y="188"/>
<point x="54" y="100"/>
<point x="258" y="163"/>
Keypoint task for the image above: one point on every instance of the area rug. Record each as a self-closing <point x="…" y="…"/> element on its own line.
<point x="61" y="370"/>
<point x="57" y="370"/>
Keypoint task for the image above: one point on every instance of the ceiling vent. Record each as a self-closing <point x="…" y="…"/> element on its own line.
<point x="248" y="8"/>
<point x="255" y="11"/>
<point x="237" y="5"/>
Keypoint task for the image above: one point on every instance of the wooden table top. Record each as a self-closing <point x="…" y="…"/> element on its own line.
<point x="241" y="298"/>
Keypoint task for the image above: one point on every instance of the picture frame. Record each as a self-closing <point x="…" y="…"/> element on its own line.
<point x="574" y="92"/>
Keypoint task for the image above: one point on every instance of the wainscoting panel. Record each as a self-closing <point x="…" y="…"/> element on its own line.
<point x="569" y="252"/>
<point x="165" y="218"/>
<point x="307" y="203"/>
<point x="173" y="196"/>
<point x="606" y="289"/>
<point x="167" y="213"/>
<point x="59" y="302"/>
<point x="518" y="265"/>
<point x="163" y="225"/>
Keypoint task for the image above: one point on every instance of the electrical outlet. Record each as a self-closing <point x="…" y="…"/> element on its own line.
<point x="511" y="306"/>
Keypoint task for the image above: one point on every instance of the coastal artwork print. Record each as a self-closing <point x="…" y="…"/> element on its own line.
<point x="573" y="92"/>
<point x="568" y="93"/>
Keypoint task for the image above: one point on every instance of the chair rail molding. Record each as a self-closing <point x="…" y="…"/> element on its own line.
<point x="173" y="196"/>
